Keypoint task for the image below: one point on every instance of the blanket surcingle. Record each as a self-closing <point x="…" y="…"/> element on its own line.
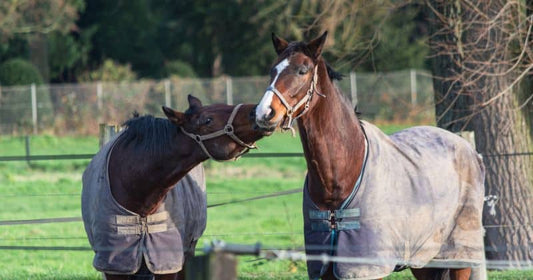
<point x="121" y="238"/>
<point x="419" y="200"/>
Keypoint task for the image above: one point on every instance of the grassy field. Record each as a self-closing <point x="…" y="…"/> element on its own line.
<point x="48" y="189"/>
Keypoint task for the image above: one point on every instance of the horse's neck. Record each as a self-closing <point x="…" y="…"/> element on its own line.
<point x="140" y="182"/>
<point x="333" y="143"/>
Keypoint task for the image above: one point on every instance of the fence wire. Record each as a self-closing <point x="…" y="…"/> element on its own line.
<point x="79" y="108"/>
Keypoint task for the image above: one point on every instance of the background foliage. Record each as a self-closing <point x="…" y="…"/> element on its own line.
<point x="70" y="39"/>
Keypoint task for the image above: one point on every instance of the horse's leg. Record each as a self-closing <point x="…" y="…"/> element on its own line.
<point x="330" y="276"/>
<point x="116" y="277"/>
<point x="441" y="273"/>
<point x="460" y="273"/>
<point x="172" y="276"/>
<point x="430" y="273"/>
<point x="189" y="254"/>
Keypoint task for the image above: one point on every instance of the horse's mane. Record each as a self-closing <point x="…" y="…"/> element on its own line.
<point x="148" y="134"/>
<point x="333" y="75"/>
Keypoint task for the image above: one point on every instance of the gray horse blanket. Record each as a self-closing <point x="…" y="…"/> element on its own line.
<point x="121" y="238"/>
<point x="419" y="200"/>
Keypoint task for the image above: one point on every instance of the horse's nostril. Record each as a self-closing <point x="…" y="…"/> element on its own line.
<point x="271" y="114"/>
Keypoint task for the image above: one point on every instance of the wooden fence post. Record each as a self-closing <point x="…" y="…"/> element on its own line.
<point x="413" y="87"/>
<point x="212" y="266"/>
<point x="353" y="88"/>
<point x="106" y="133"/>
<point x="167" y="93"/>
<point x="229" y="91"/>
<point x="33" y="90"/>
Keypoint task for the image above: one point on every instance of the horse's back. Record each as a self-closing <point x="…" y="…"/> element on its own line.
<point x="163" y="241"/>
<point x="451" y="154"/>
<point x="436" y="147"/>
<point x="422" y="192"/>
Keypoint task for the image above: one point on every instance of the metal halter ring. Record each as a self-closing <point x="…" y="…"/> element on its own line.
<point x="228" y="128"/>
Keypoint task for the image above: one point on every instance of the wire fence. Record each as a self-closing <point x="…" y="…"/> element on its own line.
<point x="79" y="108"/>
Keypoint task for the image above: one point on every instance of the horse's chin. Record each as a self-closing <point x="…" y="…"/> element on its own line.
<point x="237" y="153"/>
<point x="269" y="131"/>
<point x="266" y="128"/>
<point x="266" y="131"/>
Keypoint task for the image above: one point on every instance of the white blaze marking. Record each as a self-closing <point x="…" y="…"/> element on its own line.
<point x="279" y="68"/>
<point x="263" y="108"/>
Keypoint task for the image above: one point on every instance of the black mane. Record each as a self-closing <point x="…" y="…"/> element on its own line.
<point x="148" y="134"/>
<point x="333" y="75"/>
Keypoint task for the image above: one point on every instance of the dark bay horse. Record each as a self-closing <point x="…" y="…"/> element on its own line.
<point x="143" y="198"/>
<point x="373" y="202"/>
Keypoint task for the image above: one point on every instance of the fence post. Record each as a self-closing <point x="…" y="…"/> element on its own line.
<point x="100" y="101"/>
<point x="34" y="107"/>
<point x="106" y="133"/>
<point x="413" y="87"/>
<point x="229" y="91"/>
<point x="212" y="266"/>
<point x="353" y="88"/>
<point x="167" y="93"/>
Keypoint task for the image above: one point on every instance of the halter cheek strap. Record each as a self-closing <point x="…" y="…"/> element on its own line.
<point x="305" y="101"/>
<point x="227" y="130"/>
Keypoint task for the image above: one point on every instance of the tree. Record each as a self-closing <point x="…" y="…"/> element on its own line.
<point x="37" y="16"/>
<point x="482" y="56"/>
<point x="33" y="20"/>
<point x="363" y="35"/>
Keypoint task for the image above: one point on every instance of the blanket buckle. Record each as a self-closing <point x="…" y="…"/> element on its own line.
<point x="332" y="220"/>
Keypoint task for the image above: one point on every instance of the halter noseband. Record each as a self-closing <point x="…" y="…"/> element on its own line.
<point x="227" y="130"/>
<point x="304" y="101"/>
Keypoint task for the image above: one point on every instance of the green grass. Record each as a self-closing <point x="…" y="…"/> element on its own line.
<point x="47" y="189"/>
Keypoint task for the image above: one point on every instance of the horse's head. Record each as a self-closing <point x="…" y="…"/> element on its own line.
<point x="223" y="131"/>
<point x="293" y="81"/>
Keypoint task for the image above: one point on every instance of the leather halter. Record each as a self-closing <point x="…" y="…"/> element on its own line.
<point x="227" y="130"/>
<point x="303" y="102"/>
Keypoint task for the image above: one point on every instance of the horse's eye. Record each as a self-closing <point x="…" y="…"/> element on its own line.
<point x="303" y="70"/>
<point x="208" y="121"/>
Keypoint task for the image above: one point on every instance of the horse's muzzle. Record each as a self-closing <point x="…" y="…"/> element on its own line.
<point x="262" y="124"/>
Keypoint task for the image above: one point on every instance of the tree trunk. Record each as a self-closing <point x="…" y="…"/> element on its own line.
<point x="501" y="130"/>
<point x="452" y="105"/>
<point x="475" y="44"/>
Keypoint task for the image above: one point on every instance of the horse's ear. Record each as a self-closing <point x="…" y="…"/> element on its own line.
<point x="316" y="45"/>
<point x="194" y="103"/>
<point x="279" y="44"/>
<point x="176" y="117"/>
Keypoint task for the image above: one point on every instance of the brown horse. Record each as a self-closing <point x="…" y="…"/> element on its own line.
<point x="143" y="198"/>
<point x="374" y="202"/>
